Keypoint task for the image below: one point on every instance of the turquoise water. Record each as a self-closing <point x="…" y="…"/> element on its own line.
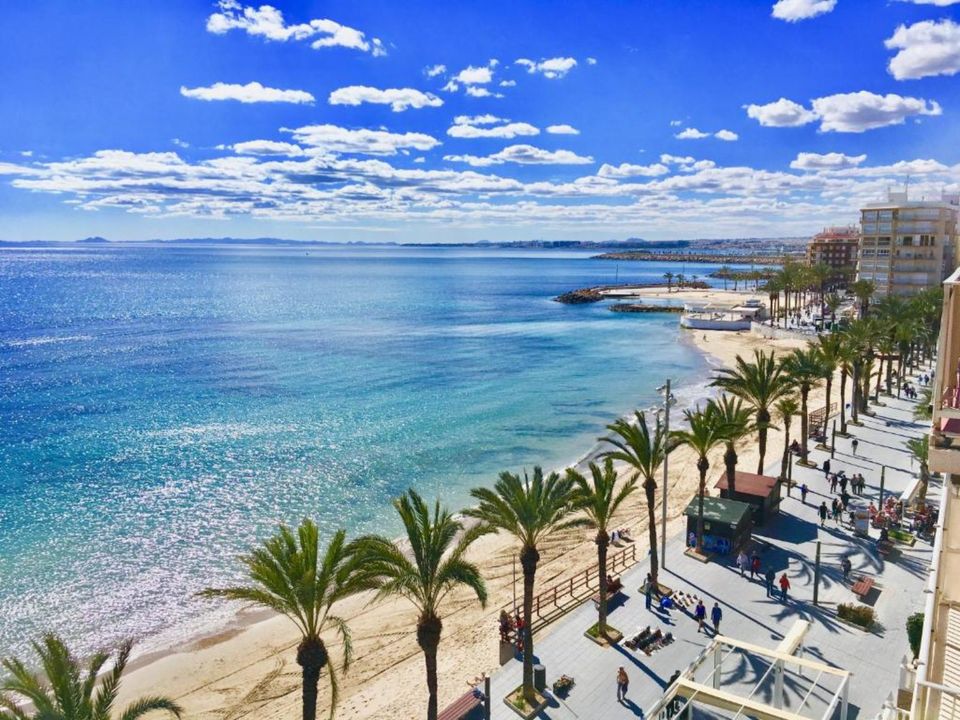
<point x="164" y="407"/>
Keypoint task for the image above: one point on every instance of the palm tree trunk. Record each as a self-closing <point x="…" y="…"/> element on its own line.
<point x="603" y="541"/>
<point x="876" y="391"/>
<point x="650" y="487"/>
<point x="826" y="414"/>
<point x="763" y="420"/>
<point x="786" y="449"/>
<point x="702" y="465"/>
<point x="730" y="460"/>
<point x="428" y="638"/>
<point x="529" y="557"/>
<point x="855" y="394"/>
<point x="843" y="401"/>
<point x="312" y="657"/>
<point x="804" y="392"/>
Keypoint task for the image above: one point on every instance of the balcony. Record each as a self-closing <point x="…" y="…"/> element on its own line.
<point x="945" y="438"/>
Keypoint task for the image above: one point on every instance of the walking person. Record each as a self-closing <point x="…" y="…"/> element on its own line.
<point x="803" y="493"/>
<point x="623" y="682"/>
<point x="754" y="565"/>
<point x="823" y="512"/>
<point x="854" y="444"/>
<point x="784" y="587"/>
<point x="835" y="509"/>
<point x="770" y="576"/>
<point x="648" y="590"/>
<point x="846" y="566"/>
<point x="826" y="467"/>
<point x="743" y="562"/>
<point x="716" y="615"/>
<point x="843" y="483"/>
<point x="833" y="483"/>
<point x="700" y="614"/>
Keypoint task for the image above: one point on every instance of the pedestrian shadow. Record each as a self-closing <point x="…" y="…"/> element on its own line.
<point x="632" y="707"/>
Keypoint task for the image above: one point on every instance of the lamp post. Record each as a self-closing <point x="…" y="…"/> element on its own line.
<point x="667" y="399"/>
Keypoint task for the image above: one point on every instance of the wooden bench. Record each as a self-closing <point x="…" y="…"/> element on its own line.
<point x="461" y="707"/>
<point x="613" y="589"/>
<point x="862" y="586"/>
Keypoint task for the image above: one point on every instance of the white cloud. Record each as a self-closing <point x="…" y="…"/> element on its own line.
<point x="335" y="139"/>
<point x="859" y="111"/>
<point x="523" y="155"/>
<point x="552" y="68"/>
<point x="826" y="161"/>
<point x="626" y="170"/>
<point x="29" y="153"/>
<point x="508" y="83"/>
<point x="268" y="22"/>
<point x="474" y="75"/>
<point x="925" y="48"/>
<point x="435" y="70"/>
<point x="489" y="126"/>
<point x="419" y="160"/>
<point x="726" y="135"/>
<point x="179" y="143"/>
<point x="474" y="91"/>
<point x="252" y="92"/>
<point x="399" y="99"/>
<point x="795" y="10"/>
<point x="593" y="61"/>
<point x="691" y="134"/>
<point x="938" y="3"/>
<point x="451" y="86"/>
<point x="562" y="129"/>
<point x="267" y="147"/>
<point x="676" y="123"/>
<point x="782" y="113"/>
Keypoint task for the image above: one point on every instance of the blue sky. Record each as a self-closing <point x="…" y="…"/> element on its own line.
<point x="370" y="120"/>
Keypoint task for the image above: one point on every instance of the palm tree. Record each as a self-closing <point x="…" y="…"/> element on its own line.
<point x="920" y="451"/>
<point x="805" y="370"/>
<point x="830" y="349"/>
<point x="668" y="276"/>
<point x="725" y="272"/>
<point x="530" y="509"/>
<point x="599" y="501"/>
<point x="760" y="384"/>
<point x="863" y="290"/>
<point x="645" y="453"/>
<point x="704" y="433"/>
<point x="787" y="407"/>
<point x="290" y="576"/>
<point x="67" y="691"/>
<point x="833" y="302"/>
<point x="736" y="422"/>
<point x="435" y="566"/>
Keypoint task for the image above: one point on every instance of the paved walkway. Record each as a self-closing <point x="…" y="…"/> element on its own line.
<point x="787" y="544"/>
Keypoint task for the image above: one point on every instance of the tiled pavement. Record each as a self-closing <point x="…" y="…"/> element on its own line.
<point x="749" y="615"/>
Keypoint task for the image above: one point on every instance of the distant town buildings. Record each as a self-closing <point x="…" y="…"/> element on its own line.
<point x="908" y="245"/>
<point x="835" y="247"/>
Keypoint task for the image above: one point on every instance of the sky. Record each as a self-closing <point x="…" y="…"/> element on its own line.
<point x="374" y="120"/>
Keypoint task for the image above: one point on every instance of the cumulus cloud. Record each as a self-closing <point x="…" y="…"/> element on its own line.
<point x="796" y="10"/>
<point x="593" y="61"/>
<point x="175" y="141"/>
<point x="782" y="113"/>
<point x="686" y="163"/>
<point x="626" y="170"/>
<point x="252" y="92"/>
<point x="938" y="3"/>
<point x="562" y="129"/>
<point x="475" y="75"/>
<point x="268" y="22"/>
<point x="826" y="161"/>
<point x="854" y="112"/>
<point x="488" y="126"/>
<point x="676" y="123"/>
<point x="399" y="99"/>
<point x="335" y="139"/>
<point x="267" y="147"/>
<point x="476" y="91"/>
<point x="552" y="68"/>
<point x="691" y="134"/>
<point x="508" y="83"/>
<point x="726" y="135"/>
<point x="523" y="155"/>
<point x="435" y="70"/>
<point x="925" y="48"/>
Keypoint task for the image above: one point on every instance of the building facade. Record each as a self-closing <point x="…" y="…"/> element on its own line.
<point x="835" y="247"/>
<point x="907" y="246"/>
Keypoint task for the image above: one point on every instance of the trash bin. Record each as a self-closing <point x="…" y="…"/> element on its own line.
<point x="540" y="677"/>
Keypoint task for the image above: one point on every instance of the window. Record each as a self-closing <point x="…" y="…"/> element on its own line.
<point x="886" y="215"/>
<point x="882" y="241"/>
<point x="906" y="240"/>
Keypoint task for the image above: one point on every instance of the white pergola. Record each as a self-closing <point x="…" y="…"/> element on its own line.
<point x="687" y="690"/>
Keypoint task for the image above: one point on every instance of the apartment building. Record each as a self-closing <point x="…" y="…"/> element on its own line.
<point x="908" y="245"/>
<point x="835" y="247"/>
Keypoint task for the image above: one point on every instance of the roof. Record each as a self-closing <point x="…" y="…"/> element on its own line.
<point x="749" y="484"/>
<point x="715" y="509"/>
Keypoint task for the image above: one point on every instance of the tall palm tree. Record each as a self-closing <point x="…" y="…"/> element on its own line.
<point x="833" y="302"/>
<point x="645" y="453"/>
<point x="435" y="565"/>
<point x="599" y="501"/>
<point x="830" y="349"/>
<point x="736" y="421"/>
<point x="787" y="407"/>
<point x="67" y="691"/>
<point x="703" y="434"/>
<point x="668" y="276"/>
<point x="290" y="576"/>
<point x="760" y="384"/>
<point x="530" y="509"/>
<point x="805" y="370"/>
<point x="848" y="355"/>
<point x="863" y="290"/>
<point x="920" y="451"/>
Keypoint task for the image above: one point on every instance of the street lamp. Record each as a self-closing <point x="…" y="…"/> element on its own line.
<point x="668" y="400"/>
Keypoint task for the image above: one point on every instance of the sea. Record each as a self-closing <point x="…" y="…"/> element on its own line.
<point x="163" y="407"/>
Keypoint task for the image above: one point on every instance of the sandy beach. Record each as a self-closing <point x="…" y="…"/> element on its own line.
<point x="249" y="671"/>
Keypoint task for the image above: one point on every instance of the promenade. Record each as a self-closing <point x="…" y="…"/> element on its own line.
<point x="787" y="544"/>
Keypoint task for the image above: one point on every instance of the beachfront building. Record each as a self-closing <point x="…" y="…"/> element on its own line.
<point x="932" y="689"/>
<point x="835" y="247"/>
<point x="907" y="245"/>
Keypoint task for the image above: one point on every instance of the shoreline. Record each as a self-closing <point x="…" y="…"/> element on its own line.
<point x="248" y="669"/>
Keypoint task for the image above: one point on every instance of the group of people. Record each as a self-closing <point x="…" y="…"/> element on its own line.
<point x="511" y="630"/>
<point x="752" y="565"/>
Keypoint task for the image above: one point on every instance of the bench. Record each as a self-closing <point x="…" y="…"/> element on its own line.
<point x="461" y="707"/>
<point x="862" y="586"/>
<point x="613" y="589"/>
